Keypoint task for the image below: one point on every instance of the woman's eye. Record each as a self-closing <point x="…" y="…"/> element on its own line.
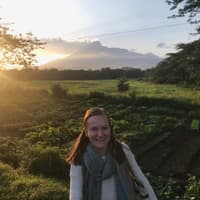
<point x="105" y="128"/>
<point x="93" y="129"/>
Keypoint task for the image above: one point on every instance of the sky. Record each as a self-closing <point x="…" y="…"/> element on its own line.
<point x="137" y="25"/>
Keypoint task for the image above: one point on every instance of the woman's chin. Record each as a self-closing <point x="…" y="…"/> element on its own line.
<point x="101" y="148"/>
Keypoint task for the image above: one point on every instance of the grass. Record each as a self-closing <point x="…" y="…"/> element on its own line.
<point x="25" y="107"/>
<point x="110" y="87"/>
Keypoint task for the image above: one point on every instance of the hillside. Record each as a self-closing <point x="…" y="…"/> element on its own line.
<point x="37" y="128"/>
<point x="96" y="56"/>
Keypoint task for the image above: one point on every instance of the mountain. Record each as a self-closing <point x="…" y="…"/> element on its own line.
<point x="96" y="56"/>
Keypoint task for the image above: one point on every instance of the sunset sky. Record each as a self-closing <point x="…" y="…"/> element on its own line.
<point x="139" y="25"/>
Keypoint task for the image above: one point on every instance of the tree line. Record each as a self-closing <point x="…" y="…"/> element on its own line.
<point x="55" y="74"/>
<point x="182" y="67"/>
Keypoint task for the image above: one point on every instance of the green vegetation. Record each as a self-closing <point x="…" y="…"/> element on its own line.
<point x="58" y="91"/>
<point x="123" y="85"/>
<point x="181" y="67"/>
<point x="17" y="50"/>
<point x="189" y="8"/>
<point x="75" y="87"/>
<point x="37" y="130"/>
<point x="21" y="186"/>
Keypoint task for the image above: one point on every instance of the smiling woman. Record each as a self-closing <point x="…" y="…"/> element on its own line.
<point x="102" y="167"/>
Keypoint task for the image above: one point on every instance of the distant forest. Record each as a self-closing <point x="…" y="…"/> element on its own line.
<point x="182" y="67"/>
<point x="54" y="74"/>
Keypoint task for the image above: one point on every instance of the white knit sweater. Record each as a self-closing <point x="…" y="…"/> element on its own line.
<point x="108" y="185"/>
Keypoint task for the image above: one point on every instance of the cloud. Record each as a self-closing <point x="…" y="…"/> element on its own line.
<point x="163" y="45"/>
<point x="60" y="46"/>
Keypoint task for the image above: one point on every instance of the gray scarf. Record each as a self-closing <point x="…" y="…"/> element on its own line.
<point x="96" y="169"/>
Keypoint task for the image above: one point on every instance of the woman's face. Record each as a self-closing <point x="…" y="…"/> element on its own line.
<point x="98" y="132"/>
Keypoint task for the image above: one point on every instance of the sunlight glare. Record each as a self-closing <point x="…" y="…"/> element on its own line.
<point x="42" y="18"/>
<point x="44" y="57"/>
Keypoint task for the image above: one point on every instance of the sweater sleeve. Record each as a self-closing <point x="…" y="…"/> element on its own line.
<point x="138" y="172"/>
<point x="76" y="181"/>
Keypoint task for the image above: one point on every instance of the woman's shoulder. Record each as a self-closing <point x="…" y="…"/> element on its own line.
<point x="125" y="146"/>
<point x="75" y="169"/>
<point x="126" y="149"/>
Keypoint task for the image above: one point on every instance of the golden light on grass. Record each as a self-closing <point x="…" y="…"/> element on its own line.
<point x="4" y="77"/>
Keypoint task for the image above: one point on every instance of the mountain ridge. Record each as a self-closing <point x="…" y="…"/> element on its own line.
<point x="95" y="56"/>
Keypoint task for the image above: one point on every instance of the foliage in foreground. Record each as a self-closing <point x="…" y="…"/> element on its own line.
<point x="43" y="138"/>
<point x="18" y="186"/>
<point x="17" y="50"/>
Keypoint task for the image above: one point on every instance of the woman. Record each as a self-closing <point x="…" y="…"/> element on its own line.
<point x="103" y="168"/>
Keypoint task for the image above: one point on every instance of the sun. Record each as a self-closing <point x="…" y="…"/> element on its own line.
<point x="44" y="18"/>
<point x="44" y="57"/>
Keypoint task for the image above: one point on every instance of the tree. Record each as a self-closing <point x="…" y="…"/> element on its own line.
<point x="123" y="85"/>
<point x="58" y="91"/>
<point x="180" y="67"/>
<point x="17" y="49"/>
<point x="191" y="8"/>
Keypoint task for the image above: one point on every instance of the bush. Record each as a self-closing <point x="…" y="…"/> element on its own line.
<point x="46" y="161"/>
<point x="7" y="174"/>
<point x="192" y="189"/>
<point x="58" y="91"/>
<point x="50" y="136"/>
<point x="120" y="125"/>
<point x="18" y="186"/>
<point x="11" y="150"/>
<point x="33" y="188"/>
<point x="170" y="123"/>
<point x="166" y="188"/>
<point x="123" y="85"/>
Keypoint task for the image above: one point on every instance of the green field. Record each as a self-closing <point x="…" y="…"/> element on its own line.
<point x="37" y="128"/>
<point x="110" y="87"/>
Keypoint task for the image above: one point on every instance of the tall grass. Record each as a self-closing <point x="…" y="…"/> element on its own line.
<point x="110" y="87"/>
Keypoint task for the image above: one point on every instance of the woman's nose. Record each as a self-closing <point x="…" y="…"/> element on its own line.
<point x="100" y="132"/>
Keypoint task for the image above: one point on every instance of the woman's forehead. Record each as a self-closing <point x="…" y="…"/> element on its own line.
<point x="97" y="119"/>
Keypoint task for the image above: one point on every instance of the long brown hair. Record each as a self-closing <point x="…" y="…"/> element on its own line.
<point x="79" y="146"/>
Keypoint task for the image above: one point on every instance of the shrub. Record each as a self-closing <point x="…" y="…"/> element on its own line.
<point x="192" y="189"/>
<point x="120" y="125"/>
<point x="195" y="124"/>
<point x="50" y="136"/>
<point x="166" y="188"/>
<point x="170" y="123"/>
<point x="34" y="188"/>
<point x="7" y="174"/>
<point x="58" y="91"/>
<point x="10" y="150"/>
<point x="123" y="85"/>
<point x="46" y="161"/>
<point x="18" y="186"/>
